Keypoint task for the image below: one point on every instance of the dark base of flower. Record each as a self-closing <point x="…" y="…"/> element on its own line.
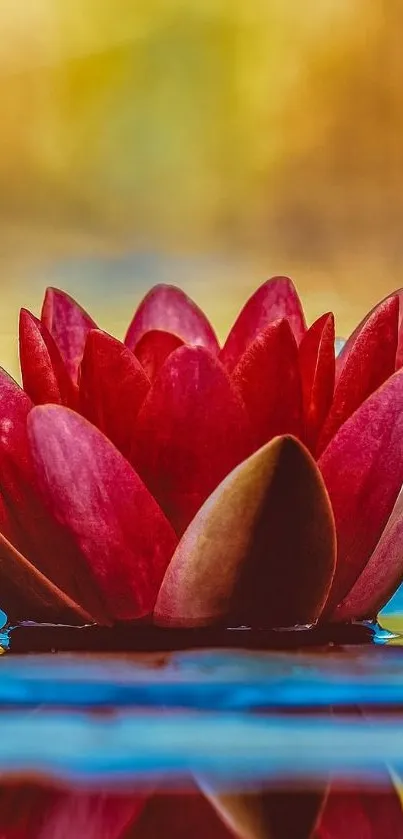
<point x="34" y="638"/>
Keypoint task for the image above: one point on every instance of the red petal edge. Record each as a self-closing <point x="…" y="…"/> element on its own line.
<point x="44" y="375"/>
<point x="113" y="386"/>
<point x="317" y="363"/>
<point x="69" y="324"/>
<point x="268" y="380"/>
<point x="370" y="362"/>
<point x="154" y="348"/>
<point x="277" y="298"/>
<point x="363" y="472"/>
<point x="168" y="308"/>
<point x="95" y="494"/>
<point x="191" y="431"/>
<point x="381" y="576"/>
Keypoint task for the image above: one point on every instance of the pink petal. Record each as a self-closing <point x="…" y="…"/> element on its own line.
<point x="154" y="348"/>
<point x="94" y="493"/>
<point x="363" y="472"/>
<point x="44" y="375"/>
<point x="361" y="814"/>
<point x="191" y="431"/>
<point x="167" y="307"/>
<point x="26" y="594"/>
<point x="275" y="299"/>
<point x="317" y="363"/>
<point x="31" y="526"/>
<point x="381" y="576"/>
<point x="30" y="811"/>
<point x="69" y="324"/>
<point x="268" y="379"/>
<point x="113" y="386"/>
<point x="370" y="361"/>
<point x="261" y="550"/>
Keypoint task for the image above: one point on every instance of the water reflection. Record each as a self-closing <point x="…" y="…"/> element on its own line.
<point x="233" y="715"/>
<point x="207" y="680"/>
<point x="30" y="812"/>
<point x="328" y="807"/>
<point x="232" y="750"/>
<point x="219" y="743"/>
<point x="297" y="744"/>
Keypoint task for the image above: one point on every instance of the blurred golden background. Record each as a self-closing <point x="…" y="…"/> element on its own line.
<point x="205" y="142"/>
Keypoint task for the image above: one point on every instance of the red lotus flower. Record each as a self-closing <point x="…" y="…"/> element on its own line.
<point x="174" y="479"/>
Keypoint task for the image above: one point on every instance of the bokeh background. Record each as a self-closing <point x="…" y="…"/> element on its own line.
<point x="210" y="143"/>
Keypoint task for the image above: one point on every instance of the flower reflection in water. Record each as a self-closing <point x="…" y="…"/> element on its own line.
<point x="30" y="811"/>
<point x="96" y="753"/>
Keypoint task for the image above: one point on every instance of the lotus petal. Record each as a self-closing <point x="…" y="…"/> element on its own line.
<point x="29" y="811"/>
<point x="268" y="380"/>
<point x="261" y="550"/>
<point x="31" y="526"/>
<point x="352" y="814"/>
<point x="113" y="386"/>
<point x="95" y="494"/>
<point x="275" y="299"/>
<point x="368" y="445"/>
<point x="270" y="815"/>
<point x="369" y="362"/>
<point x="15" y="406"/>
<point x="69" y="324"/>
<point x="168" y="308"/>
<point x="26" y="594"/>
<point x="191" y="431"/>
<point x="347" y="345"/>
<point x="381" y="576"/>
<point x="317" y="363"/>
<point x="153" y="348"/>
<point x="44" y="375"/>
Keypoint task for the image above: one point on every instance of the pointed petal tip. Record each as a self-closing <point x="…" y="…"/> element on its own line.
<point x="113" y="386"/>
<point x="54" y="291"/>
<point x="68" y="324"/>
<point x="169" y="308"/>
<point x="153" y="349"/>
<point x="274" y="299"/>
<point x="261" y="550"/>
<point x="272" y="357"/>
<point x="363" y="368"/>
<point x="317" y="366"/>
<point x="44" y="373"/>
